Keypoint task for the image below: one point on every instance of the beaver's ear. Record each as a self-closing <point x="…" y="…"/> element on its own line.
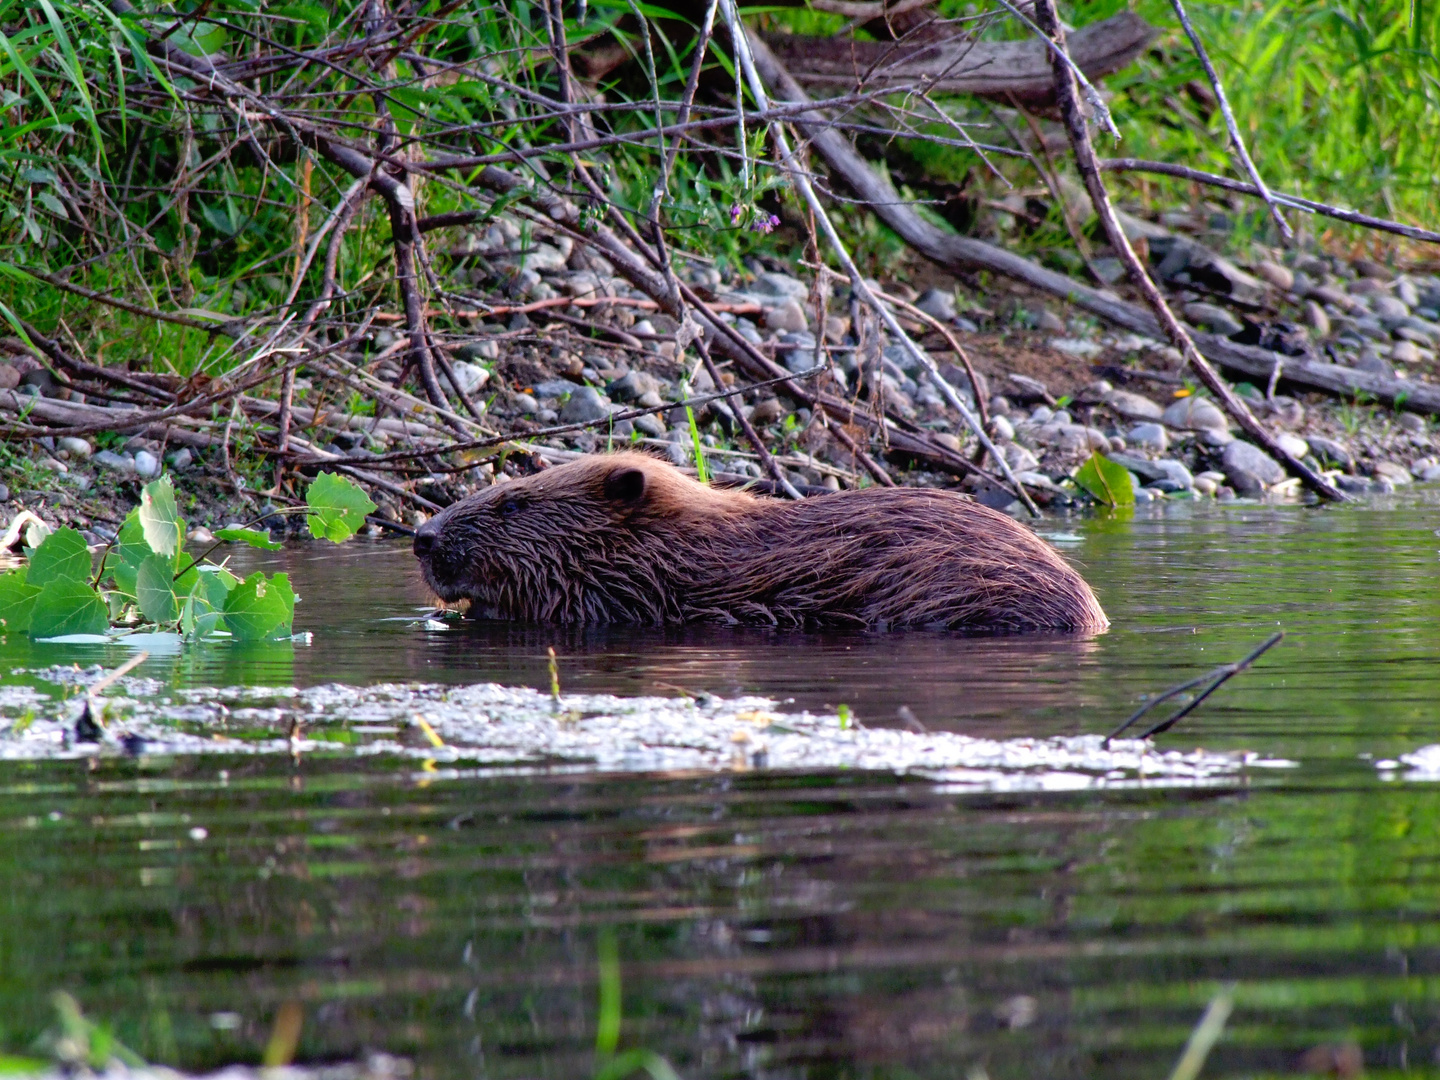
<point x="625" y="485"/>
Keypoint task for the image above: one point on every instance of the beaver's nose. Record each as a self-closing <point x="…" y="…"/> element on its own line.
<point x="425" y="540"/>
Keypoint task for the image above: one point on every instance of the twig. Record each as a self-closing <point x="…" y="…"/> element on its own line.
<point x="751" y="435"/>
<point x="1183" y="172"/>
<point x="1217" y="678"/>
<point x="1069" y="104"/>
<point x="1230" y="125"/>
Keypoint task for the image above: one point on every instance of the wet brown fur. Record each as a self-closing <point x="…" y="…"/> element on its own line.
<point x="624" y="538"/>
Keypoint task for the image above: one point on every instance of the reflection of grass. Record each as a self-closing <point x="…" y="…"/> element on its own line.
<point x="610" y="1065"/>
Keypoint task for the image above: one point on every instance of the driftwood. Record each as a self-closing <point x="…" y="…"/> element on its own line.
<point x="1003" y="70"/>
<point x="963" y="254"/>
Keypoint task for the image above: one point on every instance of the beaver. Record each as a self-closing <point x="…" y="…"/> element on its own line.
<point x="626" y="538"/>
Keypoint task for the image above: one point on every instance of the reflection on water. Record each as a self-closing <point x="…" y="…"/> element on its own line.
<point x="789" y="925"/>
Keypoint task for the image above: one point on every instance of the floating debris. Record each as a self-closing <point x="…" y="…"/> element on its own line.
<point x="488" y="729"/>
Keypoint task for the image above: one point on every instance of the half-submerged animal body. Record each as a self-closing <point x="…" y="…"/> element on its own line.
<point x="624" y="538"/>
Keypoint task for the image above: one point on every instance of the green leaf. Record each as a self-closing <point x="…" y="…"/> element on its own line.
<point x="1106" y="481"/>
<point x="159" y="519"/>
<point x="253" y="537"/>
<point x="68" y="607"/>
<point x="62" y="556"/>
<point x="337" y="507"/>
<point x="155" y="589"/>
<point x="259" y="607"/>
<point x="17" y="601"/>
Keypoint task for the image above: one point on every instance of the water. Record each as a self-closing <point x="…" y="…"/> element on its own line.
<point x="829" y="924"/>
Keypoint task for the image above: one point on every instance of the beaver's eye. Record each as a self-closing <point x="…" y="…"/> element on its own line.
<point x="509" y="508"/>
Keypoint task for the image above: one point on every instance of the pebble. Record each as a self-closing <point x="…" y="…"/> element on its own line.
<point x="1331" y="296"/>
<point x="471" y="377"/>
<point x="200" y="535"/>
<point x="1316" y="319"/>
<point x="1213" y="318"/>
<point x="53" y="466"/>
<point x="1328" y="450"/>
<point x="1430" y="474"/>
<point x="788" y="315"/>
<point x="1197" y="414"/>
<point x="1394" y="472"/>
<point x="586" y="404"/>
<point x="767" y="411"/>
<point x="1293" y="445"/>
<point x="633" y="386"/>
<point x="108" y="459"/>
<point x="938" y="304"/>
<point x="525" y="404"/>
<point x="181" y="459"/>
<point x="4" y="493"/>
<point x="1245" y="482"/>
<point x="75" y="447"/>
<point x="650" y="425"/>
<point x="1018" y="458"/>
<point x="1241" y="456"/>
<point x="770" y="283"/>
<point x="1371" y="361"/>
<point x="1049" y="322"/>
<point x="1001" y="428"/>
<point x="1147" y="471"/>
<point x="1205" y="486"/>
<point x="1133" y="406"/>
<point x="1151" y="436"/>
<point x="1176" y="472"/>
<point x="1405" y="352"/>
<point x="9" y="377"/>
<point x="1282" y="277"/>
<point x="1407" y="293"/>
<point x="1389" y="307"/>
<point x="1042" y="414"/>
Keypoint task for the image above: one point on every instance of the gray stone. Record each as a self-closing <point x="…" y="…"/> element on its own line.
<point x="1216" y="438"/>
<point x="1245" y="482"/>
<point x="1328" y="450"/>
<point x="586" y="405"/>
<point x="1187" y="262"/>
<point x="1001" y="428"/>
<point x="1371" y="361"/>
<point x="1353" y="485"/>
<point x="650" y="425"/>
<point x="1394" y="472"/>
<point x="1282" y="277"/>
<point x="1147" y="471"/>
<point x="770" y="283"/>
<point x="1176" y="472"/>
<point x="1133" y="406"/>
<point x="1205" y="486"/>
<point x="181" y="459"/>
<point x="1241" y="455"/>
<point x="1167" y="486"/>
<point x="1017" y="457"/>
<point x="1411" y="422"/>
<point x="1316" y="319"/>
<point x="77" y="448"/>
<point x="1151" y="436"/>
<point x="1050" y="322"/>
<point x="525" y="404"/>
<point x="1195" y="414"/>
<point x="147" y="465"/>
<point x="1293" y="445"/>
<point x="1042" y="414"/>
<point x="472" y="351"/>
<point x="787" y="315"/>
<point x="1389" y="307"/>
<point x="1405" y="352"/>
<point x="554" y="388"/>
<point x="1430" y="474"/>
<point x="471" y="377"/>
<point x="938" y="304"/>
<point x="1213" y="318"/>
<point x="108" y="459"/>
<point x="633" y="386"/>
<point x="1407" y="293"/>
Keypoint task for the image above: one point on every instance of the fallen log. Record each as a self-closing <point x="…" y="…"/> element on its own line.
<point x="1002" y="70"/>
<point x="963" y="254"/>
<point x="65" y="416"/>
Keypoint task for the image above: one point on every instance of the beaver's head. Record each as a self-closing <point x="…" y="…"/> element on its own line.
<point x="541" y="546"/>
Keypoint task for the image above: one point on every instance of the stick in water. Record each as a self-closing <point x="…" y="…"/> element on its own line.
<point x="1218" y="677"/>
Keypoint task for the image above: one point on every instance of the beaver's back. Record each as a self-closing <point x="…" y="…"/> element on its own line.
<point x="890" y="557"/>
<point x="626" y="538"/>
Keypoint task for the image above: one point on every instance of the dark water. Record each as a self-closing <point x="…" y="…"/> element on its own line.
<point x="790" y="926"/>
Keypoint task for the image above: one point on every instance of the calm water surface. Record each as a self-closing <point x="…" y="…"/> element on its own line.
<point x="783" y="925"/>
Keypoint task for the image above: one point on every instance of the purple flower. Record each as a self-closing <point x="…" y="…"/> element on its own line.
<point x="766" y="224"/>
<point x="735" y="212"/>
